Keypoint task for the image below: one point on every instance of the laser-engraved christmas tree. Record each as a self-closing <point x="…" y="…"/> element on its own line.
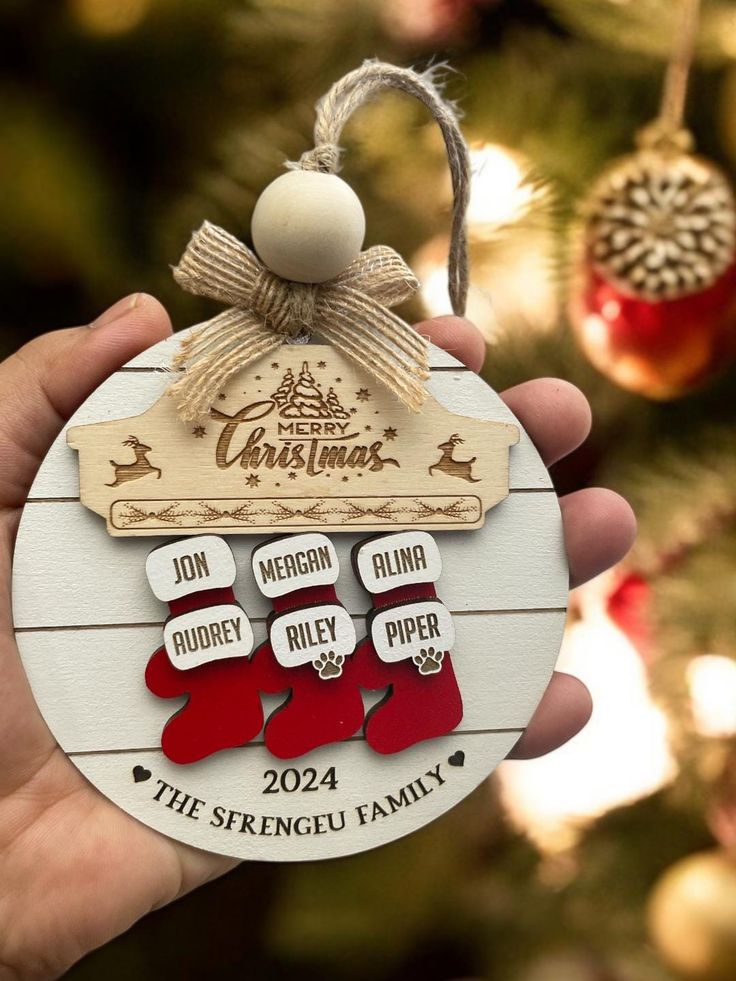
<point x="282" y="393"/>
<point x="336" y="410"/>
<point x="306" y="399"/>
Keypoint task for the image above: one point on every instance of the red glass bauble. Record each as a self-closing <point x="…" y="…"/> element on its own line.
<point x="630" y="608"/>
<point x="660" y="349"/>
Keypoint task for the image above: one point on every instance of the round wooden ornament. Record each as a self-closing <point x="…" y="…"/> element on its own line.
<point x="87" y="620"/>
<point x="280" y="616"/>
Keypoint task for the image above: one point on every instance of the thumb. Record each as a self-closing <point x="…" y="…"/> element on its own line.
<point x="46" y="381"/>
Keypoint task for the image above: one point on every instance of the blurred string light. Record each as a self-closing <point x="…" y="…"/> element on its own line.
<point x="436" y="22"/>
<point x="109" y="17"/>
<point x="623" y="753"/>
<point x="711" y="682"/>
<point x="501" y="191"/>
<point x="511" y="248"/>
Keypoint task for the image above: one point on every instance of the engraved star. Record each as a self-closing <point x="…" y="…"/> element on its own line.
<point x="345" y="480"/>
<point x="353" y="411"/>
<point x="222" y="395"/>
<point x="274" y="364"/>
<point x="258" y="378"/>
<point x="199" y="432"/>
<point x="252" y="480"/>
<point x="292" y="475"/>
<point x="362" y="395"/>
<point x="389" y="434"/>
<point x="338" y="380"/>
<point x="368" y="428"/>
<point x="321" y="364"/>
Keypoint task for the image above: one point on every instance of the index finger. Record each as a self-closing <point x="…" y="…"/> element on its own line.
<point x="458" y="337"/>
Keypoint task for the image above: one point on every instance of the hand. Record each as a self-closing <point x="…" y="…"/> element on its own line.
<point x="599" y="525"/>
<point x="75" y="870"/>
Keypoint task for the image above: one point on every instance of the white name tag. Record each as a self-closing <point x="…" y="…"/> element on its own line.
<point x="398" y="560"/>
<point x="301" y="636"/>
<point x="409" y="630"/>
<point x="296" y="562"/>
<point x="210" y="634"/>
<point x="189" y="565"/>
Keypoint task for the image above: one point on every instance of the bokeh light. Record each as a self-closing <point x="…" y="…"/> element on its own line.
<point x="623" y="753"/>
<point x="511" y="244"/>
<point x="712" y="683"/>
<point x="512" y="284"/>
<point x="501" y="191"/>
<point x="109" y="17"/>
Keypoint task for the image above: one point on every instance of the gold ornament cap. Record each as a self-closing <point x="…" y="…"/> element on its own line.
<point x="660" y="223"/>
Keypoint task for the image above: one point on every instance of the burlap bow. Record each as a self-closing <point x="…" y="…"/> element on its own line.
<point x="350" y="312"/>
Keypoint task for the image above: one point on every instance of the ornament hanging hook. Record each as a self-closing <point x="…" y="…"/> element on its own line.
<point x="356" y="88"/>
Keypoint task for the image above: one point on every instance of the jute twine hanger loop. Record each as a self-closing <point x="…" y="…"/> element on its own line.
<point x="350" y="311"/>
<point x="356" y="88"/>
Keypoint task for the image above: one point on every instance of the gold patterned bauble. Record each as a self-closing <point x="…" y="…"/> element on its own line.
<point x="692" y="917"/>
<point x="661" y="224"/>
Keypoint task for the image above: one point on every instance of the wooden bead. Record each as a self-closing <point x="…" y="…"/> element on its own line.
<point x="308" y="226"/>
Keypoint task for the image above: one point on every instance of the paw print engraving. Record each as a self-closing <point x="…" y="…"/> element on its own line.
<point x="428" y="660"/>
<point x="329" y="664"/>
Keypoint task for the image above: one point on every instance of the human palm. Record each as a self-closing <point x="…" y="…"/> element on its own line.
<point x="75" y="870"/>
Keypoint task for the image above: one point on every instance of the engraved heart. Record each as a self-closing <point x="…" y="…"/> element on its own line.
<point x="457" y="759"/>
<point x="141" y="774"/>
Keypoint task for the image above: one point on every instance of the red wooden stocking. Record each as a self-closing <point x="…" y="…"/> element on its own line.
<point x="307" y="653"/>
<point x="209" y="630"/>
<point x="409" y="630"/>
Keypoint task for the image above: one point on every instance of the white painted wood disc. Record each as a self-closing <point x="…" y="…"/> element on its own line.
<point x="87" y="623"/>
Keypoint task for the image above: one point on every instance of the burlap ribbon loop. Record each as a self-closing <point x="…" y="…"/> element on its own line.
<point x="350" y="312"/>
<point x="287" y="308"/>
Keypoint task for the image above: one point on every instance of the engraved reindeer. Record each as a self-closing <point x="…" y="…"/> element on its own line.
<point x="449" y="465"/>
<point x="140" y="466"/>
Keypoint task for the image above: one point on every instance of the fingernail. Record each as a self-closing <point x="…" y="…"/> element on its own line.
<point x="117" y="310"/>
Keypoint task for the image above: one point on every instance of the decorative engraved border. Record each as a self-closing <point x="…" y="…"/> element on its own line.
<point x="255" y="513"/>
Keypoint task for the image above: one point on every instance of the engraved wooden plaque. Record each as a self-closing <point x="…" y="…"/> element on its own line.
<point x="306" y="441"/>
